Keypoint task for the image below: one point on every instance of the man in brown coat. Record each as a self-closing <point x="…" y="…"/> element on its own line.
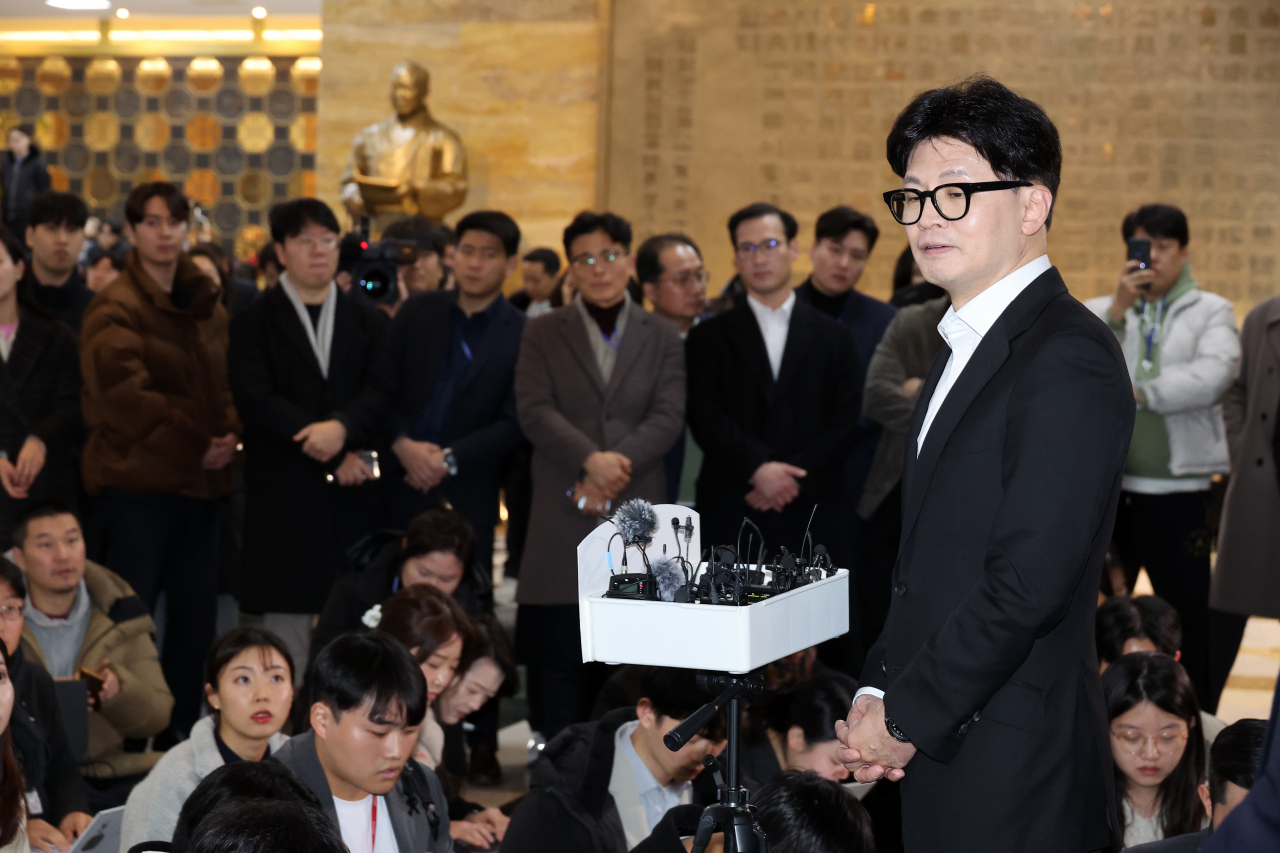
<point x="600" y="395"/>
<point x="162" y="432"/>
<point x="1245" y="580"/>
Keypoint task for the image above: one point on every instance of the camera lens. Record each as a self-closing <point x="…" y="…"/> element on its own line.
<point x="376" y="283"/>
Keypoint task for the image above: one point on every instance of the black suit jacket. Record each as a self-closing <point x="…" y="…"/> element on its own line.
<point x="987" y="657"/>
<point x="1254" y="825"/>
<point x="297" y="525"/>
<point x="741" y="418"/>
<point x="482" y="427"/>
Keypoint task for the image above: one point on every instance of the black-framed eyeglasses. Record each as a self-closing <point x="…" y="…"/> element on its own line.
<point x="950" y="200"/>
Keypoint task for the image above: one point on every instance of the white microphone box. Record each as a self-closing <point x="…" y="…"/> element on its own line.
<point x="696" y="636"/>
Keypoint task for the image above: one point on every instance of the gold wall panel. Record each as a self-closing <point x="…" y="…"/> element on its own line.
<point x="58" y="179"/>
<point x="257" y="75"/>
<point x="151" y="132"/>
<point x="303" y="185"/>
<point x="52" y="131"/>
<point x="254" y="188"/>
<point x="250" y="239"/>
<point x="204" y="74"/>
<point x="53" y="75"/>
<point x="304" y="76"/>
<point x="8" y="119"/>
<point x="102" y="131"/>
<point x="302" y="133"/>
<point x="102" y="76"/>
<point x="154" y="75"/>
<point x="204" y="132"/>
<point x="255" y="132"/>
<point x="203" y="186"/>
<point x="10" y="75"/>
<point x="100" y="188"/>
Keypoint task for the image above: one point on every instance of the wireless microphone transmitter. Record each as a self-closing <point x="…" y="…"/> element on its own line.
<point x="639" y="587"/>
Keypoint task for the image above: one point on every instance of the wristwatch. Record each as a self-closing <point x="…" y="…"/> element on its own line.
<point x="451" y="462"/>
<point x="895" y="732"/>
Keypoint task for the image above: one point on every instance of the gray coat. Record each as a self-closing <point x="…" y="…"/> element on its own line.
<point x="568" y="412"/>
<point x="408" y="812"/>
<point x="907" y="350"/>
<point x="1246" y="578"/>
<point x="151" y="813"/>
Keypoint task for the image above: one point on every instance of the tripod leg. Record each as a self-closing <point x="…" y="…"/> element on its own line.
<point x="706" y="828"/>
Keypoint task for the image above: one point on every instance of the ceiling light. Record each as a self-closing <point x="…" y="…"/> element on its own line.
<point x="122" y="13"/>
<point x="259" y="12"/>
<point x="79" y="5"/>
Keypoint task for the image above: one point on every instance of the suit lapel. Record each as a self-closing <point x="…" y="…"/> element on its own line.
<point x="290" y="325"/>
<point x="749" y="342"/>
<point x="909" y="490"/>
<point x="1273" y="328"/>
<point x="799" y="338"/>
<point x="574" y="332"/>
<point x="493" y="335"/>
<point x="633" y="339"/>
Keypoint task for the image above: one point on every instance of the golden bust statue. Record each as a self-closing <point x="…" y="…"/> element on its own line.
<point x="408" y="163"/>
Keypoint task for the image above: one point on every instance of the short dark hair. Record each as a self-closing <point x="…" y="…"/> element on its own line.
<point x="836" y="223"/>
<point x="439" y="528"/>
<point x="420" y="231"/>
<point x="14" y="576"/>
<point x="1148" y="617"/>
<point x="589" y="222"/>
<point x="97" y="253"/>
<point x="760" y="210"/>
<point x="229" y="645"/>
<point x="1160" y="623"/>
<point x="243" y="781"/>
<point x="1236" y="757"/>
<point x="57" y="209"/>
<point x="547" y="257"/>
<point x="1162" y="221"/>
<point x="649" y="256"/>
<point x="257" y="827"/>
<point x="374" y="668"/>
<point x="493" y="222"/>
<point x="288" y="218"/>
<point x="422" y="618"/>
<point x="814" y="705"/>
<point x="135" y="206"/>
<point x="674" y="693"/>
<point x="801" y="812"/>
<point x="1013" y="134"/>
<point x="267" y="255"/>
<point x="37" y="510"/>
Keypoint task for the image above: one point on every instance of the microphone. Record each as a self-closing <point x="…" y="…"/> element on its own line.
<point x="669" y="576"/>
<point x="636" y="521"/>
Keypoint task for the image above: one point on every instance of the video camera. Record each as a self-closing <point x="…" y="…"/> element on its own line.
<point x="373" y="266"/>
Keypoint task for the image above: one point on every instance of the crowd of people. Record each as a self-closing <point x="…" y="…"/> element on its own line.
<point x="174" y="431"/>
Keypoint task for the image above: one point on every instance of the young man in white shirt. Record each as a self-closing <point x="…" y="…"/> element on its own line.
<point x="369" y="698"/>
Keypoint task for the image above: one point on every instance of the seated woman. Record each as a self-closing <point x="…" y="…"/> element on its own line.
<point x="794" y="729"/>
<point x="13" y="801"/>
<point x="249" y="689"/>
<point x="1157" y="745"/>
<point x="437" y="549"/>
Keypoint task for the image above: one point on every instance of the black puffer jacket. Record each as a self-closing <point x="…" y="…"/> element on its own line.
<point x="569" y="806"/>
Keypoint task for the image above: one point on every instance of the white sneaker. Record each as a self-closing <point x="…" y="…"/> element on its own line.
<point x="537" y="743"/>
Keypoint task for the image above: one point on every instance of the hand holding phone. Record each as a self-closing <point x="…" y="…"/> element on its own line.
<point x="94" y="683"/>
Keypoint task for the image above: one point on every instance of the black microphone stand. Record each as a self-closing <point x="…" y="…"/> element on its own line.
<point x="732" y="815"/>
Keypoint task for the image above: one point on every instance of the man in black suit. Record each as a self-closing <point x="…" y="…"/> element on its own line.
<point x="985" y="669"/>
<point x="454" y="356"/>
<point x="312" y="383"/>
<point x="773" y="398"/>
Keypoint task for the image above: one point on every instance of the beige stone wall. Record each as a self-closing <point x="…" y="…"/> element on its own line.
<point x="718" y="103"/>
<point x="518" y="79"/>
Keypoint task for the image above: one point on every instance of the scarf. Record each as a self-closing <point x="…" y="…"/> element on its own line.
<point x="320" y="334"/>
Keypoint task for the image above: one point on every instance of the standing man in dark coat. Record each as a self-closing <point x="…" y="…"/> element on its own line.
<point x="23" y="176"/>
<point x="312" y="381"/>
<point x="986" y="668"/>
<point x="55" y="235"/>
<point x="454" y="356"/>
<point x="773" y="399"/>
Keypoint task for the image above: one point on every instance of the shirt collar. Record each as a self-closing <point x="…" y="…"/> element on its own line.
<point x="645" y="781"/>
<point x="764" y="312"/>
<point x="981" y="312"/>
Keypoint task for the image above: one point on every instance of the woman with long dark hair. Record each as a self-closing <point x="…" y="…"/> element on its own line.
<point x="1158" y="747"/>
<point x="13" y="812"/>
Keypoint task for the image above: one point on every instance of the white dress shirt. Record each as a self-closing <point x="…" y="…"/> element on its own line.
<point x="773" y="323"/>
<point x="963" y="330"/>
<point x="641" y="801"/>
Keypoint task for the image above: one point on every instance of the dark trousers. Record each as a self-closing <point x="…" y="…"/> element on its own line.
<point x="169" y="544"/>
<point x="1169" y="536"/>
<point x="517" y="494"/>
<point x="561" y="687"/>
<point x="874" y="575"/>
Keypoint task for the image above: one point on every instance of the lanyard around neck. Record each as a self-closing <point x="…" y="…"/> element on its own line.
<point x="1152" y="330"/>
<point x="373" y="843"/>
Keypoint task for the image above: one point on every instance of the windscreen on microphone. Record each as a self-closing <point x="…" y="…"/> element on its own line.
<point x="636" y="521"/>
<point x="669" y="576"/>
